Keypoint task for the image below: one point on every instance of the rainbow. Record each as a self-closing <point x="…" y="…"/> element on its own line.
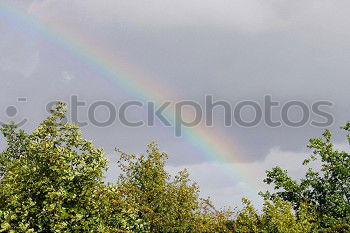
<point x="122" y="74"/>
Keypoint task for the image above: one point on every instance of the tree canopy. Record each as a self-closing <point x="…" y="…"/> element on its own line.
<point x="326" y="189"/>
<point x="51" y="180"/>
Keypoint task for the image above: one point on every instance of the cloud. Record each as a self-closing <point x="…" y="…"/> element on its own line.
<point x="225" y="192"/>
<point x="245" y="15"/>
<point x="232" y="15"/>
<point x="214" y="183"/>
<point x="241" y="14"/>
<point x="209" y="59"/>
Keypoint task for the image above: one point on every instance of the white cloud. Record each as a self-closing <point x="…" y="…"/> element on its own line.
<point x="225" y="195"/>
<point x="213" y="182"/>
<point x="223" y="191"/>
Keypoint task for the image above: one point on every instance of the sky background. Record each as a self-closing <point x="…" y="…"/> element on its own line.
<point x="234" y="50"/>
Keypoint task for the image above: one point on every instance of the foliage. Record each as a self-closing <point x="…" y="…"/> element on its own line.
<point x="277" y="216"/>
<point x="52" y="182"/>
<point x="169" y="205"/>
<point x="326" y="190"/>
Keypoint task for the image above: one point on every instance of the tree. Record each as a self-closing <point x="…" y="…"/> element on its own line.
<point x="51" y="181"/>
<point x="277" y="216"/>
<point x="169" y="205"/>
<point x="326" y="190"/>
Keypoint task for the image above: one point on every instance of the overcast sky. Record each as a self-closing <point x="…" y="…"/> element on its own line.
<point x="234" y="50"/>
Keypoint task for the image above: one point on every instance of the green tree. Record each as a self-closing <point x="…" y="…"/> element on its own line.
<point x="248" y="219"/>
<point x="277" y="217"/>
<point x="326" y="190"/>
<point x="169" y="205"/>
<point x="51" y="181"/>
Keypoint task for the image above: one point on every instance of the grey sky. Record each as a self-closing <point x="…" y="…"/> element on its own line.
<point x="234" y="50"/>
